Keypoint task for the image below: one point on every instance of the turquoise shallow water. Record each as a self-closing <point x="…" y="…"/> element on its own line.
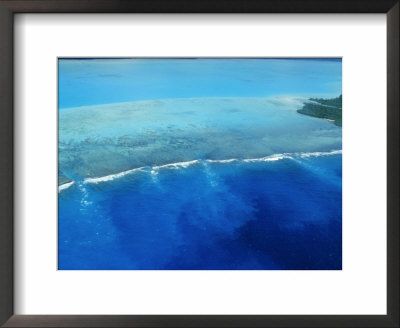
<point x="198" y="164"/>
<point x="104" y="81"/>
<point x="95" y="141"/>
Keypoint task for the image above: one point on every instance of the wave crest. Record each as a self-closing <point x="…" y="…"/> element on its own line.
<point x="154" y="170"/>
<point x="65" y="186"/>
<point x="319" y="153"/>
<point x="111" y="176"/>
<point x="176" y="165"/>
<point x="221" y="160"/>
<point x="271" y="158"/>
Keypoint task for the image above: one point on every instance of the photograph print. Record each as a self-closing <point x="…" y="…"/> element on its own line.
<point x="199" y="163"/>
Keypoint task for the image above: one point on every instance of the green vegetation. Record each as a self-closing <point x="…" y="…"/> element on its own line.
<point x="330" y="109"/>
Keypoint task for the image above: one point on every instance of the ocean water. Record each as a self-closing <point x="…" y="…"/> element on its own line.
<point x="100" y="140"/>
<point x="105" y="81"/>
<point x="198" y="165"/>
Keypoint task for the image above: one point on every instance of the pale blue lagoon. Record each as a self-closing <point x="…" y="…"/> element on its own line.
<point x="104" y="81"/>
<point x="175" y="164"/>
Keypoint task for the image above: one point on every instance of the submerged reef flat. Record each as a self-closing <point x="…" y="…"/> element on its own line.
<point x="96" y="141"/>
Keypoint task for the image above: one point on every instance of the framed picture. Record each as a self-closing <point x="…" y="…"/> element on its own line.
<point x="202" y="164"/>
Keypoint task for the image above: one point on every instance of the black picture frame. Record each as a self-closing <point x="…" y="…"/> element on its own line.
<point x="10" y="7"/>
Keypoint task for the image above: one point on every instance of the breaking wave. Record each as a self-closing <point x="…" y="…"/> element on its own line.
<point x="176" y="165"/>
<point x="111" y="176"/>
<point x="154" y="169"/>
<point x="65" y="186"/>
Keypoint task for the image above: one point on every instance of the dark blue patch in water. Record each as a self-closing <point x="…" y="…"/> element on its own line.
<point x="284" y="215"/>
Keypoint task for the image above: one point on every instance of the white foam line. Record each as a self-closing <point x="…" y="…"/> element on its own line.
<point x="277" y="157"/>
<point x="111" y="176"/>
<point x="271" y="158"/>
<point x="176" y="165"/>
<point x="319" y="153"/>
<point x="154" y="169"/>
<point x="221" y="160"/>
<point x="65" y="186"/>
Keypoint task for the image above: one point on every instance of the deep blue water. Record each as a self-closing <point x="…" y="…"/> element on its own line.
<point x="104" y="81"/>
<point x="283" y="214"/>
